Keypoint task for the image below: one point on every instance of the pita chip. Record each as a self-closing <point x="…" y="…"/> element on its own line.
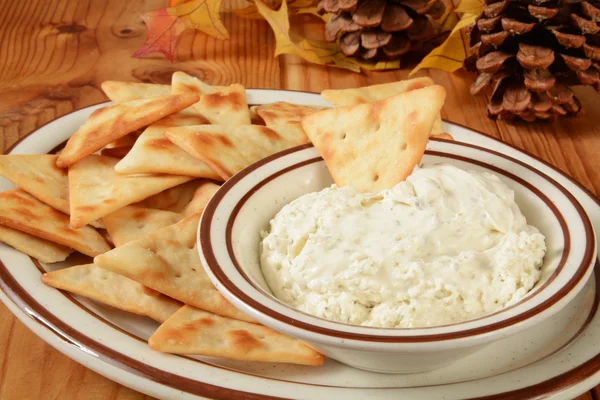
<point x="153" y="153"/>
<point x="229" y="149"/>
<point x="131" y="223"/>
<point x="282" y="113"/>
<point x="121" y="92"/>
<point x="202" y="195"/>
<point x="369" y="94"/>
<point x="39" y="176"/>
<point x="45" y="251"/>
<point x="220" y="105"/>
<point x="109" y="123"/>
<point x="193" y="331"/>
<point x="113" y="289"/>
<point x="167" y="261"/>
<point x="174" y="199"/>
<point x="97" y="190"/>
<point x="374" y="146"/>
<point x="23" y="212"/>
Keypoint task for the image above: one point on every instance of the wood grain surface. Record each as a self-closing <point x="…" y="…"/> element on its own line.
<point x="55" y="53"/>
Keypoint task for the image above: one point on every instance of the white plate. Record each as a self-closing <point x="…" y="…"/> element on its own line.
<point x="558" y="359"/>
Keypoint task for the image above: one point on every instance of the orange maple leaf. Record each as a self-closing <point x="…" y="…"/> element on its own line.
<point x="166" y="25"/>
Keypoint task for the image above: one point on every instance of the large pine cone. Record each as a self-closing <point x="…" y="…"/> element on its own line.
<point x="387" y="29"/>
<point x="530" y="52"/>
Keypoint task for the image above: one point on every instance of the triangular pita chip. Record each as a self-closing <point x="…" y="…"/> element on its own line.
<point x="374" y="146"/>
<point x="43" y="250"/>
<point x="281" y="113"/>
<point x="168" y="262"/>
<point x="113" y="289"/>
<point x="174" y="199"/>
<point x="369" y="94"/>
<point x="121" y="92"/>
<point x="39" y="176"/>
<point x="131" y="223"/>
<point x="112" y="122"/>
<point x="223" y="105"/>
<point x="153" y="153"/>
<point x="97" y="190"/>
<point x="229" y="149"/>
<point x="202" y="195"/>
<point x="193" y="331"/>
<point x="19" y="210"/>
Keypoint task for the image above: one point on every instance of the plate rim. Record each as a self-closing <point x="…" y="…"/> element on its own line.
<point x="565" y="378"/>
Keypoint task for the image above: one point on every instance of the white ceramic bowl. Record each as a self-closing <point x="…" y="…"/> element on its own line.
<point x="229" y="248"/>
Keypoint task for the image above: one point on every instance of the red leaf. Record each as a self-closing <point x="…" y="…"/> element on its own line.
<point x="164" y="31"/>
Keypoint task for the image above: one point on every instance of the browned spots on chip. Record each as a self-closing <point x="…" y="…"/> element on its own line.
<point x="85" y="209"/>
<point x="22" y="200"/>
<point x="109" y="201"/>
<point x="204" y="321"/>
<point x="218" y="100"/>
<point x="171" y="242"/>
<point x="201" y="139"/>
<point x="185" y="88"/>
<point x="242" y="340"/>
<point x="269" y="133"/>
<point x="25" y="213"/>
<point x="39" y="180"/>
<point x="159" y="144"/>
<point x="224" y="140"/>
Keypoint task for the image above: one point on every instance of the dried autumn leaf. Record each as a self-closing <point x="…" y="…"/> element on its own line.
<point x="294" y="6"/>
<point x="166" y="25"/>
<point x="164" y="31"/>
<point x="314" y="51"/>
<point x="450" y="55"/>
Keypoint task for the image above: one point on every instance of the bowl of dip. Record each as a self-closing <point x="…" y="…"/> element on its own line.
<point x="475" y="246"/>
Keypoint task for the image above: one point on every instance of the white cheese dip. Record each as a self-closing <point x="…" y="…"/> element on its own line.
<point x="445" y="246"/>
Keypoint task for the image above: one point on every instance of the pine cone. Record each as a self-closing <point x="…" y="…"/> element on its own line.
<point x="381" y="29"/>
<point x="530" y="52"/>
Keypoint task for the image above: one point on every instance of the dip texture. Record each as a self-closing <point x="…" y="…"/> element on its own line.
<point x="445" y="246"/>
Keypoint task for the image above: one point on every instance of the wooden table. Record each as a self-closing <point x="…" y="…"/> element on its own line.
<point x="55" y="54"/>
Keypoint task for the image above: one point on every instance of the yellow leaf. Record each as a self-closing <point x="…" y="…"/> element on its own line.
<point x="449" y="56"/>
<point x="202" y="15"/>
<point x="295" y="6"/>
<point x="473" y="7"/>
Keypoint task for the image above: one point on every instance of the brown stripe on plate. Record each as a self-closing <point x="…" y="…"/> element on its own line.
<point x="224" y="280"/>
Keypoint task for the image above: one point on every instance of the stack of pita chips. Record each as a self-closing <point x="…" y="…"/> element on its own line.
<point x="130" y="185"/>
<point x="121" y="182"/>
